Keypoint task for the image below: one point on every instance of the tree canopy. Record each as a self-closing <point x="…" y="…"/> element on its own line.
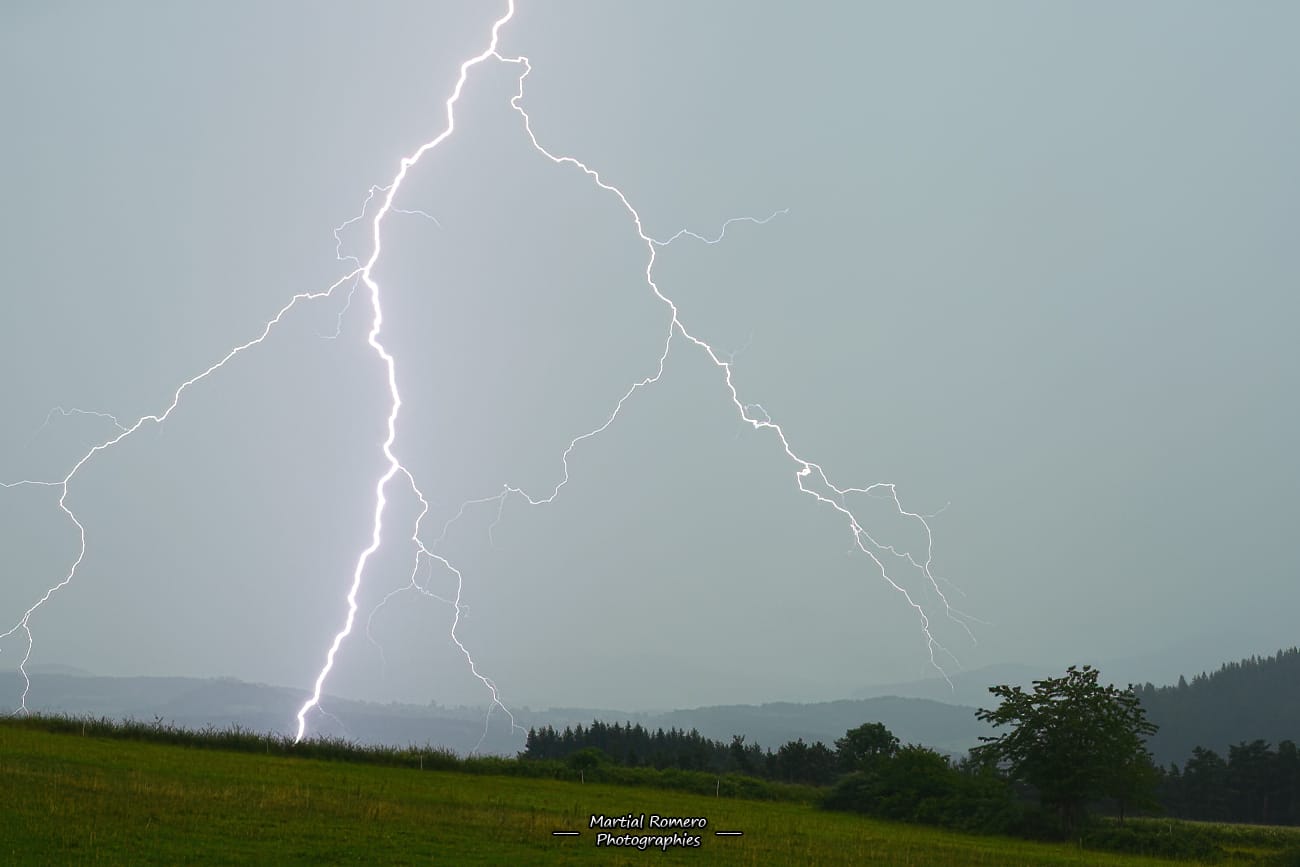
<point x="863" y="746"/>
<point x="1074" y="741"/>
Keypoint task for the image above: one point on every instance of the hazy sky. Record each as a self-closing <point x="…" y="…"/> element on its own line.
<point x="1039" y="263"/>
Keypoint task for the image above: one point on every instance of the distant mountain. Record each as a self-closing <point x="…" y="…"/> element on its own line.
<point x="1162" y="665"/>
<point x="225" y="702"/>
<point x="1203" y="652"/>
<point x="971" y="688"/>
<point x="1256" y="698"/>
<point x="56" y="668"/>
<point x="968" y="688"/>
<point x="196" y="703"/>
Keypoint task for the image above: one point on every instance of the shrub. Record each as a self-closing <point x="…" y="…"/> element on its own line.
<point x="916" y="784"/>
<point x="1157" y="840"/>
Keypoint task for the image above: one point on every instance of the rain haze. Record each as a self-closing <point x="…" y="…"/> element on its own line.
<point x="1035" y="265"/>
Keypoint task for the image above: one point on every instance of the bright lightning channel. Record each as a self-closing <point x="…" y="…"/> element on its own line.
<point x="394" y="466"/>
<point x="752" y="414"/>
<point x="807" y="472"/>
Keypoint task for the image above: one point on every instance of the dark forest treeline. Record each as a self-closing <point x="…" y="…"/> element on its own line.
<point x="1228" y="720"/>
<point x="633" y="745"/>
<point x="1258" y="697"/>
<point x="1256" y="784"/>
<point x="1222" y="726"/>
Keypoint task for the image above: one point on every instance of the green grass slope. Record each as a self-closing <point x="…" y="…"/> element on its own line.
<point x="70" y="799"/>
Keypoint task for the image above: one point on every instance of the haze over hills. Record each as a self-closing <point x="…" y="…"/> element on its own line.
<point x="195" y="702"/>
<point x="967" y="688"/>
<point x="224" y="702"/>
<point x="928" y="711"/>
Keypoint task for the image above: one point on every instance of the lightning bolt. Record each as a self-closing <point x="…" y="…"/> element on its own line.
<point x="809" y="476"/>
<point x="806" y="471"/>
<point x="394" y="466"/>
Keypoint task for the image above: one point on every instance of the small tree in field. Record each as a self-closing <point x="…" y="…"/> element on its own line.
<point x="863" y="746"/>
<point x="1074" y="741"/>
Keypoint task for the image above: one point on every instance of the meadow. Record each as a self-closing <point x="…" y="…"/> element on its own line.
<point x="105" y="798"/>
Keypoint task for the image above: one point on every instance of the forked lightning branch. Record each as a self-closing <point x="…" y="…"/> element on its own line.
<point x="809" y="475"/>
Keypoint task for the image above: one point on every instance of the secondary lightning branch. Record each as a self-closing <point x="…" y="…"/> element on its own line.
<point x="124" y="431"/>
<point x="807" y="470"/>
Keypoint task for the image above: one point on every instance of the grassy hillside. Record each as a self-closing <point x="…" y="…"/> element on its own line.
<point x="68" y="798"/>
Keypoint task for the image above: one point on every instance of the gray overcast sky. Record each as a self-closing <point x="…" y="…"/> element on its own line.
<point x="1039" y="263"/>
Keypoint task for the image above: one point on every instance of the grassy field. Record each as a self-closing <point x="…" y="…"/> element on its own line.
<point x="70" y="799"/>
